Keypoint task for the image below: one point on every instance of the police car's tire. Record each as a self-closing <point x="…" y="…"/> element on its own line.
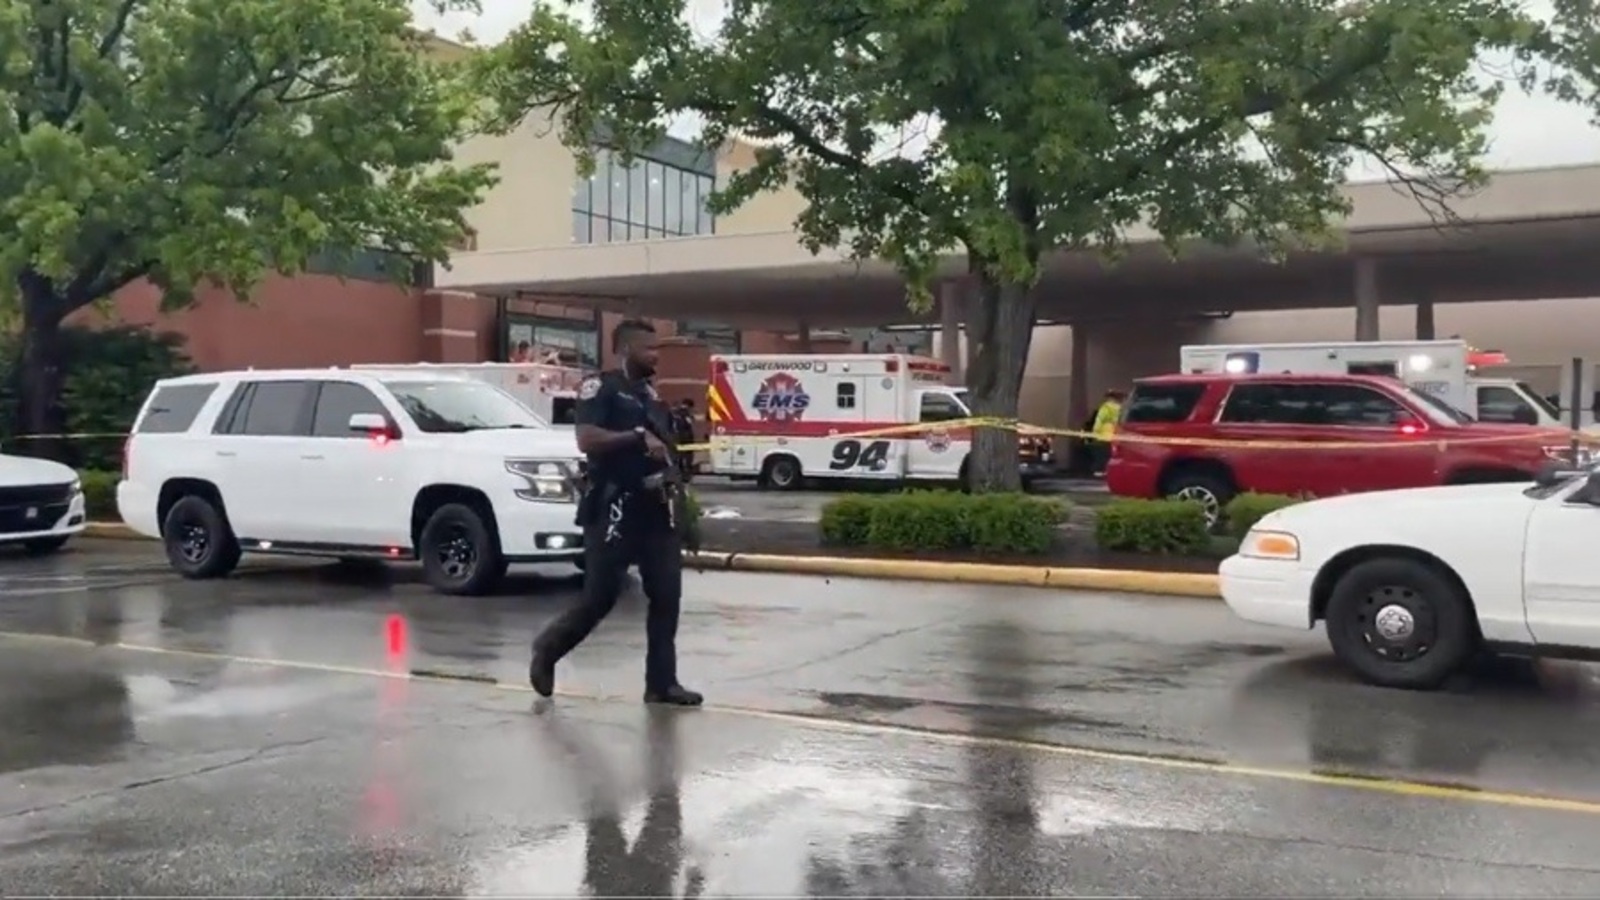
<point x="460" y="554"/>
<point x="1401" y="623"/>
<point x="199" y="542"/>
<point x="783" y="473"/>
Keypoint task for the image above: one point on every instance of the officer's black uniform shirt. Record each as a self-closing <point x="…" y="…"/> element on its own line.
<point x="615" y="402"/>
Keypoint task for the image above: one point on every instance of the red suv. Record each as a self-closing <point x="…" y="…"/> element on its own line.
<point x="1188" y="412"/>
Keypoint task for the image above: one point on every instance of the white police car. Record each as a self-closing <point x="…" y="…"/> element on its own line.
<point x="1411" y="584"/>
<point x="41" y="504"/>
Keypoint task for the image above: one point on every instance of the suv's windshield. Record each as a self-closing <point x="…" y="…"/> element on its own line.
<point x="452" y="407"/>
<point x="1438" y="410"/>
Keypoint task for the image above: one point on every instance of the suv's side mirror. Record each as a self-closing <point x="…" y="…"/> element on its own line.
<point x="371" y="424"/>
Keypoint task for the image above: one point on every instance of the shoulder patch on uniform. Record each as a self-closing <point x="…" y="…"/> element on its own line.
<point x="589" y="388"/>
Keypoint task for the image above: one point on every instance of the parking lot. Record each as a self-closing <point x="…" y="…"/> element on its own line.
<point x="309" y="729"/>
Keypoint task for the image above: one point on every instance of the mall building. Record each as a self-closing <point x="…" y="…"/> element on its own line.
<point x="555" y="259"/>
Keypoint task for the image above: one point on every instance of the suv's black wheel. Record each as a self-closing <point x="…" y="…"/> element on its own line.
<point x="1209" y="489"/>
<point x="199" y="542"/>
<point x="43" y="546"/>
<point x="1399" y="623"/>
<point x="784" y="473"/>
<point x="460" y="554"/>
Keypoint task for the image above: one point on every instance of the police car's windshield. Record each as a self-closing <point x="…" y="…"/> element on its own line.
<point x="452" y="407"/>
<point x="1438" y="410"/>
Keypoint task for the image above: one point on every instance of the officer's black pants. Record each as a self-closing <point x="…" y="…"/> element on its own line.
<point x="634" y="529"/>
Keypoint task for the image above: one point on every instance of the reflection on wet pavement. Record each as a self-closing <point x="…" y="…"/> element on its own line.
<point x="252" y="737"/>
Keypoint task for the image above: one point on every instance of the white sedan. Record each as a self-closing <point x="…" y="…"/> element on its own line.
<point x="41" y="504"/>
<point x="1411" y="585"/>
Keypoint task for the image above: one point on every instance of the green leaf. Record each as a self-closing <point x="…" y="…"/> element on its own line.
<point x="192" y="141"/>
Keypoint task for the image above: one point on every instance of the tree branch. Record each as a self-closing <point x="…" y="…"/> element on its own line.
<point x="108" y="44"/>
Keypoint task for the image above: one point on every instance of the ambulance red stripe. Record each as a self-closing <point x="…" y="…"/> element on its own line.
<point x="730" y="400"/>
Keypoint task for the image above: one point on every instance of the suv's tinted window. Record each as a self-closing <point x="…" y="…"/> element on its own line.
<point x="336" y="403"/>
<point x="1310" y="404"/>
<point x="1161" y="402"/>
<point x="173" y="408"/>
<point x="276" y="408"/>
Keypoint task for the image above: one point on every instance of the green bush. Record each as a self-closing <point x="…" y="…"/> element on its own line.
<point x="920" y="521"/>
<point x="100" y="494"/>
<point x="1013" y="523"/>
<point x="847" y="521"/>
<point x="1245" y="510"/>
<point x="108" y="373"/>
<point x="1176" y="527"/>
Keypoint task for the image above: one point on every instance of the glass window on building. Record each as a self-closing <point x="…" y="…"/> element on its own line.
<point x="688" y="203"/>
<point x="638" y="193"/>
<point x="550" y="340"/>
<point x="618" y="174"/>
<point x="647" y="198"/>
<point x="655" y="190"/>
<point x="672" y="207"/>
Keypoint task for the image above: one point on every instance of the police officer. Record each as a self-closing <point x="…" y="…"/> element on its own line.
<point x="622" y="428"/>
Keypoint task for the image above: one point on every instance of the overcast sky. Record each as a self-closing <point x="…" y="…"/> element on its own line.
<point x="1528" y="131"/>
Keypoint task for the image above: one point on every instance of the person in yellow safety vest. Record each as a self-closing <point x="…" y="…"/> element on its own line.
<point x="1105" y="428"/>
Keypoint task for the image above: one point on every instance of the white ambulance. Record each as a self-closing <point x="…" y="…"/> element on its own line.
<point x="551" y="391"/>
<point x="786" y="418"/>
<point x="1447" y="370"/>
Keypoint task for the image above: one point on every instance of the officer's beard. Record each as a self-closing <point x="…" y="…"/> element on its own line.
<point x="638" y="370"/>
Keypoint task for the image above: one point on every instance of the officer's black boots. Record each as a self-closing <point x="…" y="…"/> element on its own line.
<point x="542" y="673"/>
<point x="677" y="695"/>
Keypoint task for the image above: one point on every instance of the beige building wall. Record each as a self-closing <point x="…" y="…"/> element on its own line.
<point x="767" y="212"/>
<point x="531" y="206"/>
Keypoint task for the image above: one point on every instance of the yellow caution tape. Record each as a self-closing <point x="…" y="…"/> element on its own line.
<point x="1422" y="441"/>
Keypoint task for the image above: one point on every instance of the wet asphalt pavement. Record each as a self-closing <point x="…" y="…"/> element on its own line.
<point x="261" y="736"/>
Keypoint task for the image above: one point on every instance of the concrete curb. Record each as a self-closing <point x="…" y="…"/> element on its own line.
<point x="1176" y="584"/>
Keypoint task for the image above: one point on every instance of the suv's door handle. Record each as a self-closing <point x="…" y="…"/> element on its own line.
<point x="228" y="453"/>
<point x="312" y="456"/>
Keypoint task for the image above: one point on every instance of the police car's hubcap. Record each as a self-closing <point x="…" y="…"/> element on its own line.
<point x="456" y="553"/>
<point x="192" y="542"/>
<point x="1397" y="623"/>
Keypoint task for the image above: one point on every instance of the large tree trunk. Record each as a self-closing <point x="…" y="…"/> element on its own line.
<point x="41" y="370"/>
<point x="1000" y="320"/>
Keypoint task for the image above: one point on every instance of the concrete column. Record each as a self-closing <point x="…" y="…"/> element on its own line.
<point x="1367" y="299"/>
<point x="951" y="313"/>
<point x="1078" y="377"/>
<point x="1425" y="329"/>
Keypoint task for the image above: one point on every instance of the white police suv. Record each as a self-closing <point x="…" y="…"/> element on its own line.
<point x="1410" y="585"/>
<point x="394" y="464"/>
<point x="41" y="504"/>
